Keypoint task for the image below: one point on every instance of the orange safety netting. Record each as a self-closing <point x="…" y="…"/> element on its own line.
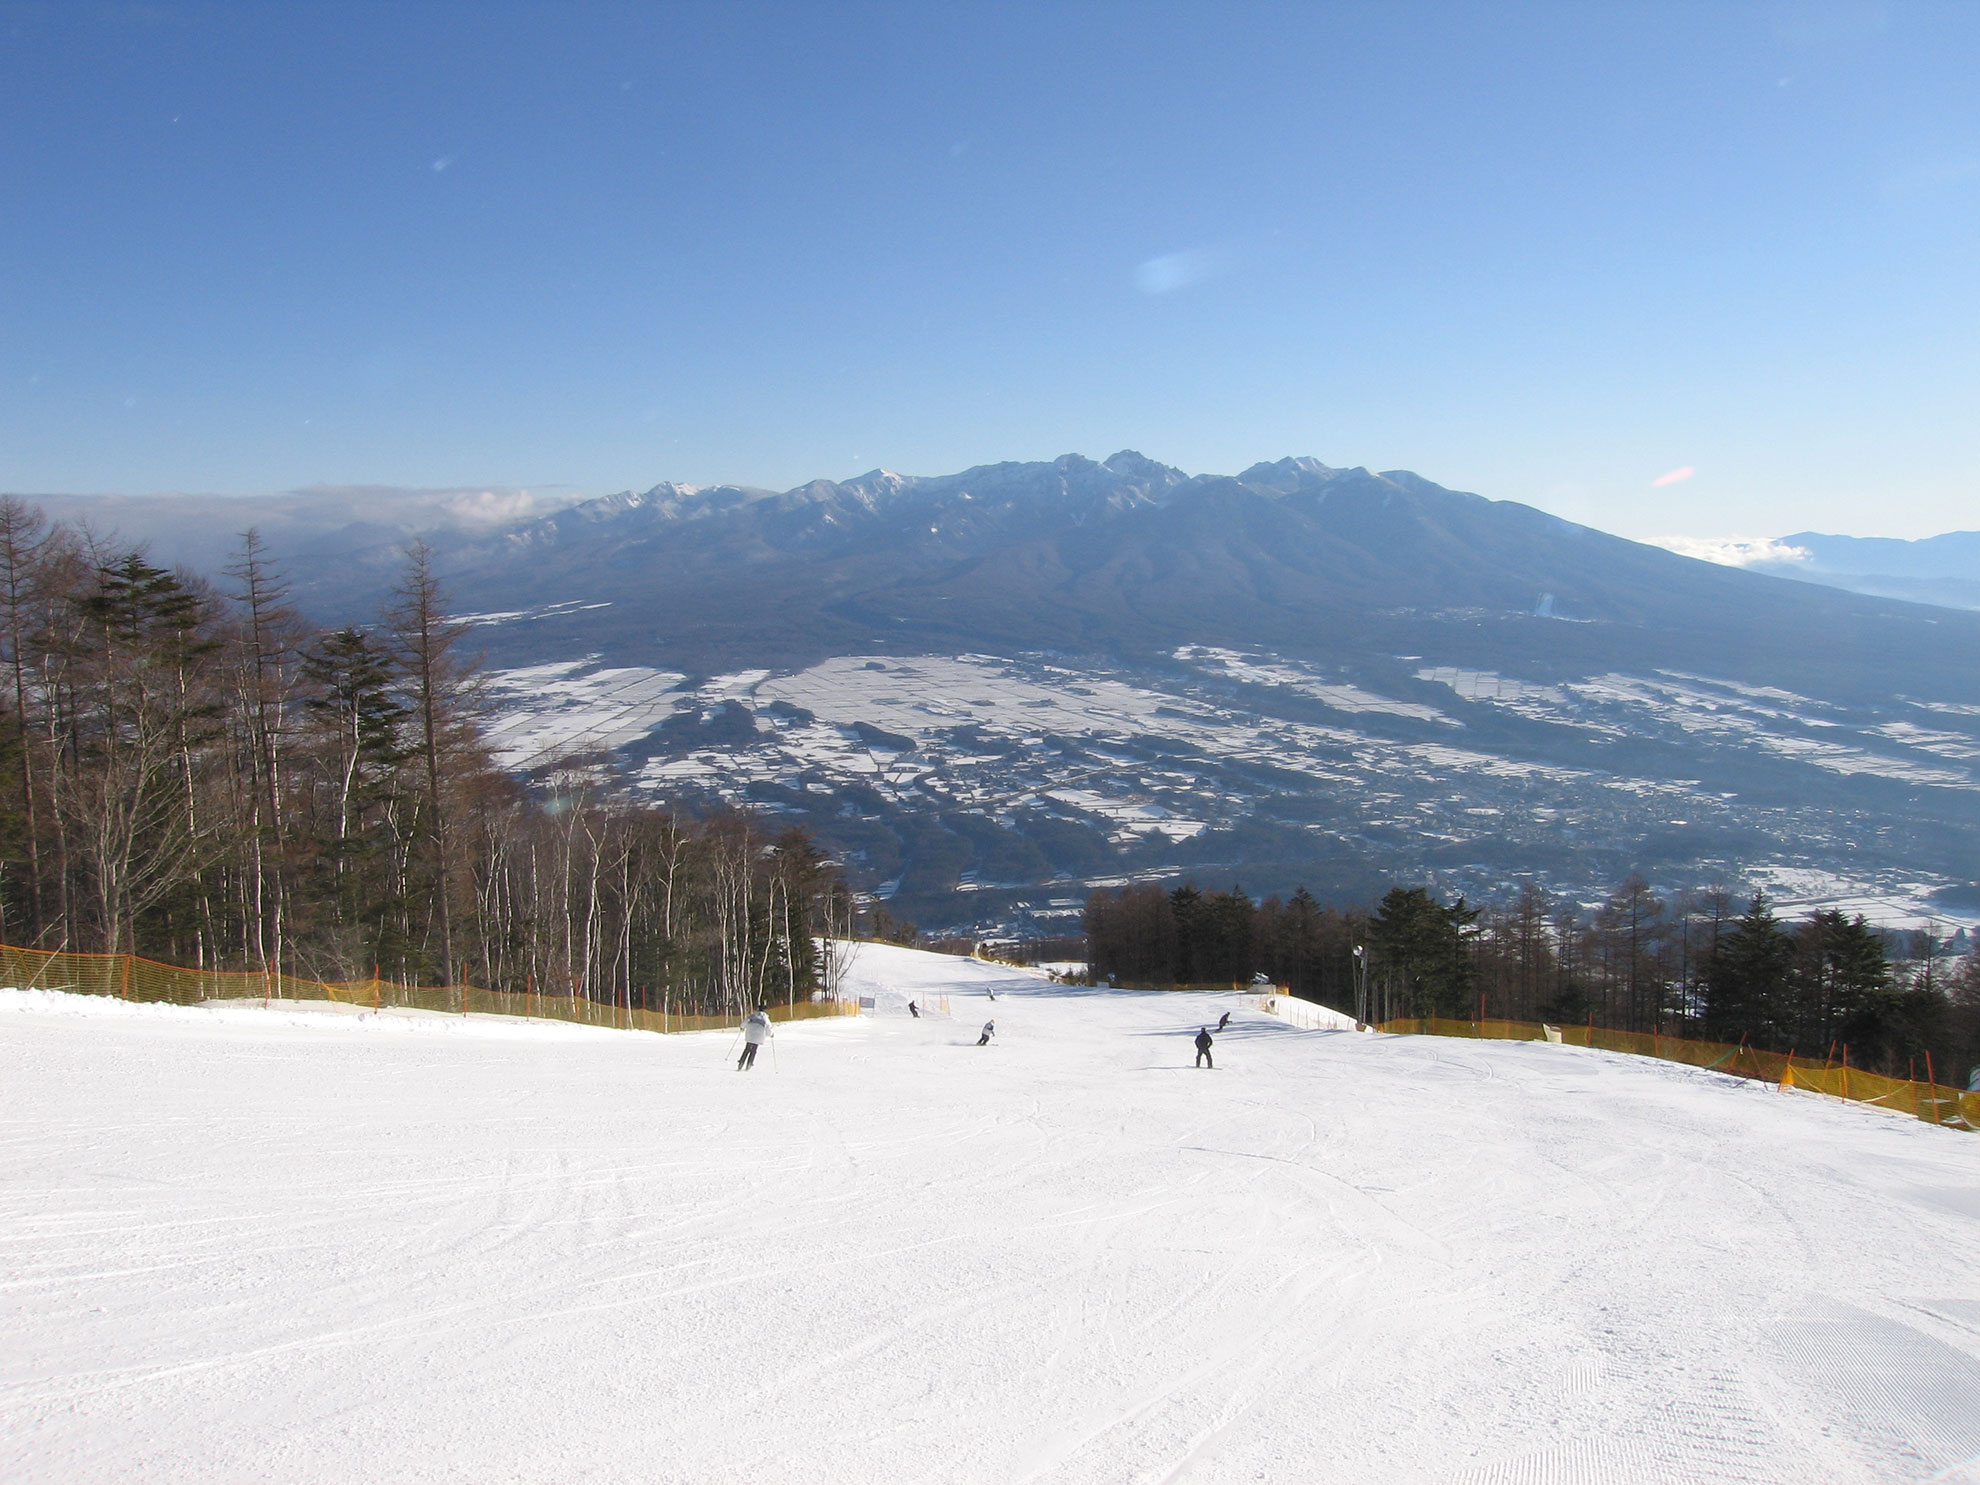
<point x="1934" y="1102"/>
<point x="132" y="978"/>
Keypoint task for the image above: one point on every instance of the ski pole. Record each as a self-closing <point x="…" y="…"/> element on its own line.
<point x="732" y="1045"/>
<point x="773" y="1053"/>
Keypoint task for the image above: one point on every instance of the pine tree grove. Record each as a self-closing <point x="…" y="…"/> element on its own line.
<point x="1697" y="964"/>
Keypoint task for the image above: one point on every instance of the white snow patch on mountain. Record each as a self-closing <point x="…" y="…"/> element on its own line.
<point x="1170" y="752"/>
<point x="543" y="712"/>
<point x="1763" y="717"/>
<point x="1304" y="680"/>
<point x="1487" y="685"/>
<point x="1796" y="891"/>
<point x="1932" y="740"/>
<point x="1130" y="818"/>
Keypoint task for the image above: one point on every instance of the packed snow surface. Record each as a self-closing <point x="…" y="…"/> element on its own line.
<point x="246" y="1246"/>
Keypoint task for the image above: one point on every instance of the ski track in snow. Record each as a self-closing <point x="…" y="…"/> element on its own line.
<point x="275" y="1246"/>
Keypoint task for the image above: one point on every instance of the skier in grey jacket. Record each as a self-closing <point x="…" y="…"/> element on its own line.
<point x="756" y="1031"/>
<point x="989" y="1030"/>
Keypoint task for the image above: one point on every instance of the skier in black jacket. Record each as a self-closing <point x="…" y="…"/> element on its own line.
<point x="1203" y="1048"/>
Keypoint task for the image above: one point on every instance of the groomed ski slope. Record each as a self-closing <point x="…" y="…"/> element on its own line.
<point x="266" y="1246"/>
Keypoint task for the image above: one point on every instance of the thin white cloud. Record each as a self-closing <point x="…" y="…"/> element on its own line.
<point x="1172" y="271"/>
<point x="1674" y="477"/>
<point x="1733" y="551"/>
<point x="493" y="507"/>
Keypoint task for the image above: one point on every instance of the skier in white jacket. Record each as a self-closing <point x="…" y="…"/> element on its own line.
<point x="756" y="1031"/>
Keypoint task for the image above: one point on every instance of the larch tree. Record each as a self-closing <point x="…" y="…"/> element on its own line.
<point x="266" y="642"/>
<point x="441" y="700"/>
<point x="23" y="542"/>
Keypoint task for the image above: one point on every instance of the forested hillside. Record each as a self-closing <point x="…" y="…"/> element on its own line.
<point x="192" y="772"/>
<point x="1699" y="964"/>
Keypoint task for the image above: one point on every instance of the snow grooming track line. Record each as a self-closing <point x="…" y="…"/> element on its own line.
<point x="1891" y="1386"/>
<point x="1238" y="1369"/>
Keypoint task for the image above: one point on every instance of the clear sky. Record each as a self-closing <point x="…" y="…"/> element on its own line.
<point x="1551" y="253"/>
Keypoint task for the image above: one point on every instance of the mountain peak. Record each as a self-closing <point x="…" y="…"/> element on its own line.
<point x="1287" y="475"/>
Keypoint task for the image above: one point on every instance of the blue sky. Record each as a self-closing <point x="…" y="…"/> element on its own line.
<point x="1545" y="252"/>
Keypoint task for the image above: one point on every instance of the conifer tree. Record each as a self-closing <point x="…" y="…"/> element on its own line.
<point x="139" y="720"/>
<point x="1749" y="979"/>
<point x="1422" y="950"/>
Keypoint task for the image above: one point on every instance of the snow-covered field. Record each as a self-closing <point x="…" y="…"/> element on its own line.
<point x="1147" y="757"/>
<point x="272" y="1246"/>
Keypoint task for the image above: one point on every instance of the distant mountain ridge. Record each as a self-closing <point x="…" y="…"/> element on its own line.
<point x="1124" y="557"/>
<point x="1943" y="569"/>
<point x="1128" y="557"/>
<point x="989" y="691"/>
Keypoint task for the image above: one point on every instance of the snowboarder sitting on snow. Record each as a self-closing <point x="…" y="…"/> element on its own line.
<point x="1223" y="1020"/>
<point x="1203" y="1048"/>
<point x="989" y="1029"/>
<point x="914" y="1010"/>
<point x="756" y="1031"/>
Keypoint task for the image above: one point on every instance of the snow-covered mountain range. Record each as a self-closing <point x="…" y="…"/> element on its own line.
<point x="994" y="689"/>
